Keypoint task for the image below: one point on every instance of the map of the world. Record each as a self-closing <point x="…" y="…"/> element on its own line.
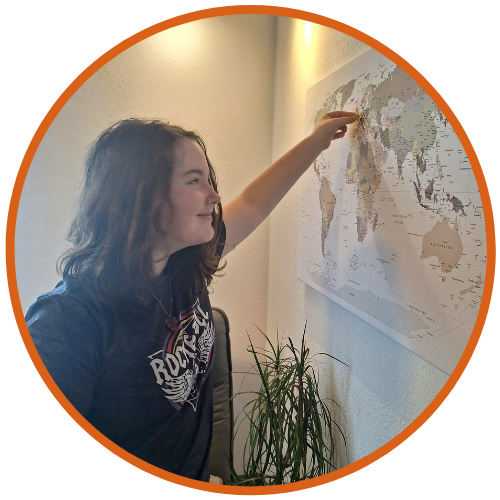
<point x="392" y="224"/>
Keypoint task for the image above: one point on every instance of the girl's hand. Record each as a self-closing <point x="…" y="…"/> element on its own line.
<point x="332" y="126"/>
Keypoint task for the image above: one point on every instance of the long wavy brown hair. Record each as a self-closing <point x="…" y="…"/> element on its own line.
<point x="127" y="176"/>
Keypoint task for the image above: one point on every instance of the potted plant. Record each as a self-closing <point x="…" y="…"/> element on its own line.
<point x="293" y="434"/>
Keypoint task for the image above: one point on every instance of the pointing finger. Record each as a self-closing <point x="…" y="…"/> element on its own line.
<point x="340" y="114"/>
<point x="345" y="120"/>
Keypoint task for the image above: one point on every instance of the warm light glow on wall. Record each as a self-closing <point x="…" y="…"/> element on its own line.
<point x="308" y="31"/>
<point x="303" y="45"/>
<point x="182" y="41"/>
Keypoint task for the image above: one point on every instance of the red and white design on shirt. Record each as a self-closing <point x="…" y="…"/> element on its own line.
<point x="181" y="366"/>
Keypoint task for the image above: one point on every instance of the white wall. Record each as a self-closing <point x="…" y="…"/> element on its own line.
<point x="220" y="76"/>
<point x="386" y="386"/>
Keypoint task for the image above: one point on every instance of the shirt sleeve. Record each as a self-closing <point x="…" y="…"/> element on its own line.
<point x="68" y="340"/>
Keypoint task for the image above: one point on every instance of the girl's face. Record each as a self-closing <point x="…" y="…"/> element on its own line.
<point x="187" y="211"/>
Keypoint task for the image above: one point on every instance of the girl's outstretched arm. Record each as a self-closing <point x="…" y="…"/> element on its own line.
<point x="248" y="210"/>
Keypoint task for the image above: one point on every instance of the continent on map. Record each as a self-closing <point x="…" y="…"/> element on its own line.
<point x="363" y="170"/>
<point x="444" y="243"/>
<point x="327" y="202"/>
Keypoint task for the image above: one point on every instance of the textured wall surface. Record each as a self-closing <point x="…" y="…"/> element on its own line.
<point x="386" y="386"/>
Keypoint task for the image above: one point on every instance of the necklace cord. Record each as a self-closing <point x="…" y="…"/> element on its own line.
<point x="158" y="300"/>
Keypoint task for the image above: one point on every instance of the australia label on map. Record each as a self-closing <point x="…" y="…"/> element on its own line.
<point x="392" y="224"/>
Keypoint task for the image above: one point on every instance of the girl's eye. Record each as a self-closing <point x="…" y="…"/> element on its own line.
<point x="194" y="181"/>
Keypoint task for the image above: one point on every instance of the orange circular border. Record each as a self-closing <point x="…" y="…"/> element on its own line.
<point x="282" y="12"/>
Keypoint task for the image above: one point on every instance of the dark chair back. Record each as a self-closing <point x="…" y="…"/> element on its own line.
<point x="221" y="454"/>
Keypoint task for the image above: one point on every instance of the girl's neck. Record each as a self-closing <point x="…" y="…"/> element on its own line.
<point x="159" y="261"/>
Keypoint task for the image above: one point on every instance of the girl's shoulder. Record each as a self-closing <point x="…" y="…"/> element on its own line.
<point x="72" y="300"/>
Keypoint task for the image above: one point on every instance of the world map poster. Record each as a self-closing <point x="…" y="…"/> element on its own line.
<point x="392" y="225"/>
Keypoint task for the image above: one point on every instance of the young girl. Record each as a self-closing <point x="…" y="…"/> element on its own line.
<point x="128" y="334"/>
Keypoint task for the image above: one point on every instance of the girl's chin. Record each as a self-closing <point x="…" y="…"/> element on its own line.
<point x="207" y="236"/>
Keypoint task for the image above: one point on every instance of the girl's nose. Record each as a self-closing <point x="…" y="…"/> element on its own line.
<point x="214" y="196"/>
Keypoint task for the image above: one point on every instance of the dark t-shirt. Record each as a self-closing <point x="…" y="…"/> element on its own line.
<point x="145" y="386"/>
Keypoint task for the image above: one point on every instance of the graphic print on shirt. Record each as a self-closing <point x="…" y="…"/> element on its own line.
<point x="181" y="366"/>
